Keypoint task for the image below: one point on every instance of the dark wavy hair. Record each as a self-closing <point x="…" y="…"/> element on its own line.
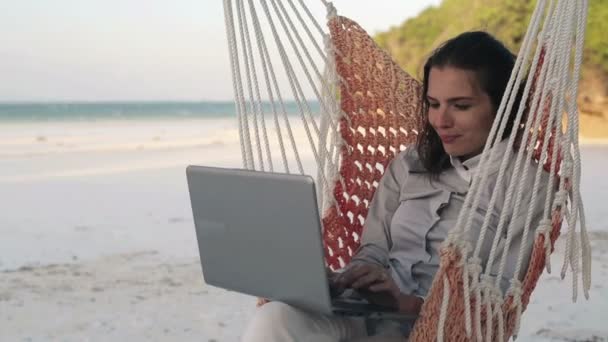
<point x="490" y="61"/>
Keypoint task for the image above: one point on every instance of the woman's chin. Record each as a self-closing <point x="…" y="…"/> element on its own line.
<point x="452" y="150"/>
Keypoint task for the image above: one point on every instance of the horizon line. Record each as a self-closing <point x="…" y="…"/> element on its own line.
<point x="26" y="102"/>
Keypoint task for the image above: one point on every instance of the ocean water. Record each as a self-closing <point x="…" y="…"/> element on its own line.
<point x="100" y="111"/>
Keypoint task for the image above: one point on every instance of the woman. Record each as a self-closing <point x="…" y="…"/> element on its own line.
<point x="418" y="200"/>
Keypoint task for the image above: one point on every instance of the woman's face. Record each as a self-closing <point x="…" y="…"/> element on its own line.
<point x="459" y="110"/>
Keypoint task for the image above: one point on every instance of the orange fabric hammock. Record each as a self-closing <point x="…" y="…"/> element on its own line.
<point x="382" y="106"/>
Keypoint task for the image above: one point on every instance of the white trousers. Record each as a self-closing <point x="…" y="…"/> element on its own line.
<point x="276" y="321"/>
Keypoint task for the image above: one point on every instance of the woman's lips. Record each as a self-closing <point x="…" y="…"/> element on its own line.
<point x="448" y="139"/>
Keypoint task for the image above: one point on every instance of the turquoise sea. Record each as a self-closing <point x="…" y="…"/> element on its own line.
<point x="96" y="111"/>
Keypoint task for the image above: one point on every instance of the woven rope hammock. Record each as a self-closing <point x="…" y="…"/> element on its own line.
<point x="365" y="109"/>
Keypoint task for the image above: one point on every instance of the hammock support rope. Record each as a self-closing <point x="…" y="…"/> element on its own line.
<point x="365" y="110"/>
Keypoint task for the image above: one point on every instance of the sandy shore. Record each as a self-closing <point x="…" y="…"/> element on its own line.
<point x="98" y="241"/>
<point x="135" y="297"/>
<point x="146" y="297"/>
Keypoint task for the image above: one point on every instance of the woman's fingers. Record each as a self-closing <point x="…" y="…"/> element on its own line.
<point x="376" y="276"/>
<point x="347" y="278"/>
<point x="369" y="279"/>
<point x="381" y="287"/>
<point x="365" y="281"/>
<point x="332" y="276"/>
<point x="363" y="276"/>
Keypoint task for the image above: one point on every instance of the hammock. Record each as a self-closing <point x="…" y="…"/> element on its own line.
<point x="370" y="111"/>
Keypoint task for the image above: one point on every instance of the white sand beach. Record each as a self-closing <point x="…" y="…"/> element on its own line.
<point x="98" y="244"/>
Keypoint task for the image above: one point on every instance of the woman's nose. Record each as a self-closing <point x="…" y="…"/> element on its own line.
<point x="444" y="118"/>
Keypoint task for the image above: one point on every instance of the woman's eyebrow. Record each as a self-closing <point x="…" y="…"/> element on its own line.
<point x="452" y="99"/>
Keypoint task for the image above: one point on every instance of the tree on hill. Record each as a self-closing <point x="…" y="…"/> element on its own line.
<point x="412" y="41"/>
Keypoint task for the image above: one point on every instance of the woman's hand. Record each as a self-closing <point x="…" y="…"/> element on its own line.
<point x="376" y="284"/>
<point x="334" y="288"/>
<point x="373" y="282"/>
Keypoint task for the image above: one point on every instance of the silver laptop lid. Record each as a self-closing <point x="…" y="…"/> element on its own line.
<point x="260" y="234"/>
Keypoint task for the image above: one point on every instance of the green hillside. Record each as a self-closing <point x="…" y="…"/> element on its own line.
<point x="412" y="41"/>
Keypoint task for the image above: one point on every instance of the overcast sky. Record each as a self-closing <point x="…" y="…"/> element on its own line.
<point x="103" y="50"/>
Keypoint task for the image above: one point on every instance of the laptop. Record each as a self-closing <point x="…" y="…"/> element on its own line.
<point x="259" y="233"/>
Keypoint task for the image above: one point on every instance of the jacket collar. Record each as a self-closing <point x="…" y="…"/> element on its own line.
<point x="467" y="168"/>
